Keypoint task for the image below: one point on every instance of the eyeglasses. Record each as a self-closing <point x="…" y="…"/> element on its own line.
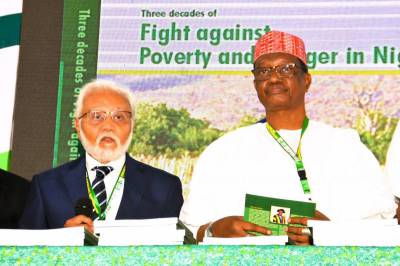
<point x="96" y="117"/>
<point x="283" y="71"/>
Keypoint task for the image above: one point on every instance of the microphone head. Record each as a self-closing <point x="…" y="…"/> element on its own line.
<point x="84" y="206"/>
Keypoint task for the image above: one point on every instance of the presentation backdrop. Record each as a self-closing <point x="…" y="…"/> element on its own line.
<point x="188" y="65"/>
<point x="10" y="23"/>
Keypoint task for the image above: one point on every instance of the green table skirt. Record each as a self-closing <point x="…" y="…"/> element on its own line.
<point x="200" y="255"/>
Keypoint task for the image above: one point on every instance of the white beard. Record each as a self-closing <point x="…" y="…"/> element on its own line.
<point x="105" y="155"/>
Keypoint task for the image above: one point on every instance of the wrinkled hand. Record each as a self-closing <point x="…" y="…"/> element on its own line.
<point x="302" y="235"/>
<point x="80" y="220"/>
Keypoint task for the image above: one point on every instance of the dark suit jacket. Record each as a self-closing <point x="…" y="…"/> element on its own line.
<point x="13" y="193"/>
<point x="148" y="193"/>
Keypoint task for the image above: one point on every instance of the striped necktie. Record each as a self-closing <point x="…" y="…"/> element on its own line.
<point x="99" y="187"/>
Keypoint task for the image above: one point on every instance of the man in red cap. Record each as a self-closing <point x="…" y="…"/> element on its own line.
<point x="286" y="157"/>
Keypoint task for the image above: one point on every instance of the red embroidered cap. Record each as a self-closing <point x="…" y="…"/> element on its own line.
<point x="280" y="42"/>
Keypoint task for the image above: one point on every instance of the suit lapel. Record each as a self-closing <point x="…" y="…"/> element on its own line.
<point x="132" y="194"/>
<point x="75" y="181"/>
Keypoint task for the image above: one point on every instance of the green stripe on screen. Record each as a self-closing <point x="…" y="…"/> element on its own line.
<point x="171" y="72"/>
<point x="356" y="72"/>
<point x="238" y="72"/>
<point x="58" y="116"/>
<point x="5" y="160"/>
<point x="10" y="28"/>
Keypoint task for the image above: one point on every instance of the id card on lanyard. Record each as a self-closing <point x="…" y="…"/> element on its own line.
<point x="296" y="156"/>
<point x="117" y="186"/>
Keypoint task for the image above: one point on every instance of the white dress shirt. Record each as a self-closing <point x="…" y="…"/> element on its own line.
<point x="109" y="182"/>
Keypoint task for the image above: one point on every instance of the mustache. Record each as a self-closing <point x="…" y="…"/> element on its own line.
<point x="275" y="87"/>
<point x="110" y="135"/>
<point x="275" y="83"/>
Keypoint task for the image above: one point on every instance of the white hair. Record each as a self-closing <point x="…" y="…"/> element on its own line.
<point x="103" y="85"/>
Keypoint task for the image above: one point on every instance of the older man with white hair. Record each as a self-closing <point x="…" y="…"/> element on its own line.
<point x="116" y="185"/>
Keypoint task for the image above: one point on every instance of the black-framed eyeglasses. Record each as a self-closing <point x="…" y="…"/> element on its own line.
<point x="97" y="116"/>
<point x="283" y="71"/>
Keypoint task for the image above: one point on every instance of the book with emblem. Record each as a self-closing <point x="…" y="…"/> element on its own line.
<point x="274" y="213"/>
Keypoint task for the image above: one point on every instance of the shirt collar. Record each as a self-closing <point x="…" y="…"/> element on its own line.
<point x="116" y="164"/>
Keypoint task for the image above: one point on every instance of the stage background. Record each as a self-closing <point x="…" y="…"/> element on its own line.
<point x="10" y="23"/>
<point x="183" y="107"/>
<point x="36" y="90"/>
<point x="188" y="65"/>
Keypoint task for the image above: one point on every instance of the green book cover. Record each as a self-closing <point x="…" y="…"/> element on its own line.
<point x="274" y="213"/>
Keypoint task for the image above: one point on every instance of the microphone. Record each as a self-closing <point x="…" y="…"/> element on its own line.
<point x="84" y="206"/>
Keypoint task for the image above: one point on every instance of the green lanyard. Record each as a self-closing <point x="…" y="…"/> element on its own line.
<point x="295" y="156"/>
<point x="92" y="195"/>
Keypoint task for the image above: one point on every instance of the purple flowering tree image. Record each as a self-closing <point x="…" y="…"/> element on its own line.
<point x="367" y="103"/>
<point x="378" y="114"/>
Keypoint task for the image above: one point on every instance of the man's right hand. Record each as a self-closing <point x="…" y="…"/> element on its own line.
<point x="80" y="220"/>
<point x="232" y="226"/>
